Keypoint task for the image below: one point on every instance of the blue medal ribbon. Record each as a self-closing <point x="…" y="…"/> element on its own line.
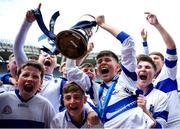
<point x="103" y="107"/>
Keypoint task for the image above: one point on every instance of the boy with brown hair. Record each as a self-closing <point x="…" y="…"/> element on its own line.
<point x="74" y="116"/>
<point x="23" y="108"/>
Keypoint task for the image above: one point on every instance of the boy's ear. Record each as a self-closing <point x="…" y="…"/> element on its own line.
<point x="7" y="66"/>
<point x="85" y="99"/>
<point x="118" y="67"/>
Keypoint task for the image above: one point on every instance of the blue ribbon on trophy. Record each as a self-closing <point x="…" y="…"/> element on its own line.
<point x="51" y="27"/>
<point x="71" y="43"/>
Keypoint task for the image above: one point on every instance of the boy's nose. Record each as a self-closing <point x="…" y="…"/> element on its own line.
<point x="72" y="100"/>
<point x="30" y="78"/>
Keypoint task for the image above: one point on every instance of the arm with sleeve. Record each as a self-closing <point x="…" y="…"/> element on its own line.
<point x="128" y="61"/>
<point x="18" y="48"/>
<point x="145" y="47"/>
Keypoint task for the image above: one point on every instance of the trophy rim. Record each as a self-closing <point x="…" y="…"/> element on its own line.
<point x="84" y="41"/>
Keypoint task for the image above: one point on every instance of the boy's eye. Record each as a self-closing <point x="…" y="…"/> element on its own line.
<point x="148" y="67"/>
<point x="25" y="75"/>
<point x="52" y="56"/>
<point x="91" y="70"/>
<point x="67" y="97"/>
<point x="139" y="67"/>
<point x="99" y="61"/>
<point x="77" y="97"/>
<point x="35" y="76"/>
<point x="85" y="70"/>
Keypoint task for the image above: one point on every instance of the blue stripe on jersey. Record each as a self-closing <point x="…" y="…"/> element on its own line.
<point x="170" y="63"/>
<point x="132" y="75"/>
<point x="167" y="85"/>
<point x="63" y="82"/>
<point x="171" y="51"/>
<point x="78" y="125"/>
<point x="122" y="106"/>
<point x="158" y="125"/>
<point x="145" y="44"/>
<point x="91" y="91"/>
<point x="163" y="114"/>
<point x="9" y="123"/>
<point x="122" y="36"/>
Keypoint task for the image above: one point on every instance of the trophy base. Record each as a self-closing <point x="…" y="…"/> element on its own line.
<point x="71" y="43"/>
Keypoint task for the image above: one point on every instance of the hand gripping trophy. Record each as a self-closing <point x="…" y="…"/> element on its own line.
<point x="71" y="43"/>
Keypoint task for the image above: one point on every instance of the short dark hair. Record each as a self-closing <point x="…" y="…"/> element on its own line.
<point x="158" y="54"/>
<point x="107" y="53"/>
<point x="72" y="87"/>
<point x="146" y="58"/>
<point x="32" y="57"/>
<point x="10" y="57"/>
<point x="86" y="64"/>
<point x="34" y="64"/>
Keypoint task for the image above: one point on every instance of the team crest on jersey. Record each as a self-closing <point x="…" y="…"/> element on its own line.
<point x="23" y="105"/>
<point x="6" y="110"/>
<point x="115" y="92"/>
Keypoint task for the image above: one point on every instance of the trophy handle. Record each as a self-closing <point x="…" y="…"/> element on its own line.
<point x="92" y="17"/>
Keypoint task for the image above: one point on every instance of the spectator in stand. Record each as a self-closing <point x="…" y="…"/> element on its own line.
<point x="10" y="77"/>
<point x="9" y="80"/>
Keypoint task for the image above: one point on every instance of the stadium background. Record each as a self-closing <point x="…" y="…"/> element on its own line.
<point x="6" y="48"/>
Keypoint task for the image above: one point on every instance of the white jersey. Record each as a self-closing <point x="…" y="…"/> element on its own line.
<point x="178" y="83"/>
<point x="62" y="120"/>
<point x="52" y="90"/>
<point x="157" y="105"/>
<point x="117" y="107"/>
<point x="166" y="82"/>
<point x="7" y="87"/>
<point x="15" y="112"/>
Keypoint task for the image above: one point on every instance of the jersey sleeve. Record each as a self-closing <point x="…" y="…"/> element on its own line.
<point x="128" y="60"/>
<point x="171" y="63"/>
<point x="166" y="80"/>
<point x="77" y="75"/>
<point x="18" y="47"/>
<point x="161" y="111"/>
<point x="145" y="48"/>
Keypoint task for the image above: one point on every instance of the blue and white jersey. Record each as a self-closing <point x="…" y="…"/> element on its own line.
<point x="5" y="78"/>
<point x="62" y="120"/>
<point x="52" y="90"/>
<point x="157" y="105"/>
<point x="178" y="83"/>
<point x="37" y="112"/>
<point x="117" y="107"/>
<point x="145" y="48"/>
<point x="166" y="82"/>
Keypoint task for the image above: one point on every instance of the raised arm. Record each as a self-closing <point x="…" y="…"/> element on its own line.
<point x="152" y="19"/>
<point x="144" y="43"/>
<point x="18" y="47"/>
<point x="128" y="53"/>
<point x="101" y="22"/>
